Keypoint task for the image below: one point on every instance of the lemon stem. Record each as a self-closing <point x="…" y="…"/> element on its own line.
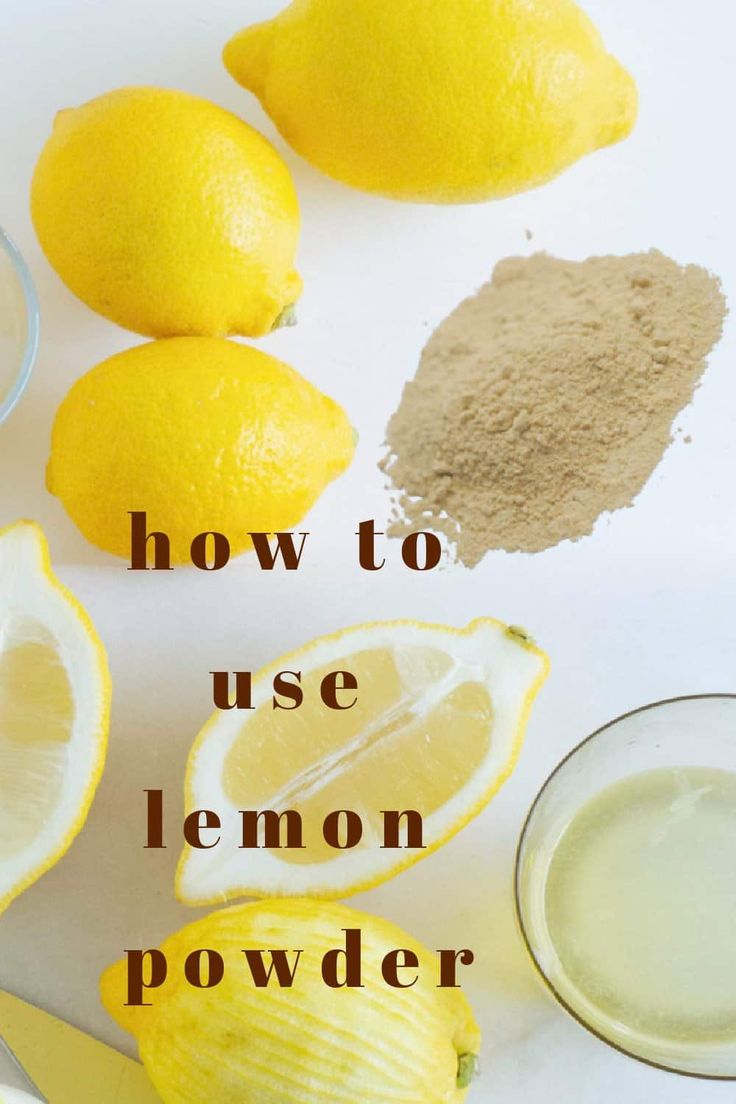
<point x="286" y="318"/>
<point x="467" y="1070"/>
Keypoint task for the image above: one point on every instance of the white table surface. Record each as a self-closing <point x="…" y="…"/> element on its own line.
<point x="640" y="611"/>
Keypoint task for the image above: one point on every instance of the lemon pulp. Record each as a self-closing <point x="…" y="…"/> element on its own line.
<point x="640" y="906"/>
<point x="369" y="757"/>
<point x="36" y="716"/>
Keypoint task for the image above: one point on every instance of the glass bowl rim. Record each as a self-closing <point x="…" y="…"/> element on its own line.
<point x="650" y="707"/>
<point x="33" y="325"/>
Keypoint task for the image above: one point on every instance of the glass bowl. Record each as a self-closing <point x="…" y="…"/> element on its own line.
<point x="19" y="326"/>
<point x="687" y="732"/>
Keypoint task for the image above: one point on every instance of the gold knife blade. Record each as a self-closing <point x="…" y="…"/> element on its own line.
<point x="68" y="1066"/>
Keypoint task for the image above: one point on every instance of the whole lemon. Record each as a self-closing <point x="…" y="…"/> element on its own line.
<point x="168" y="215"/>
<point x="202" y="434"/>
<point x="435" y="101"/>
<point x="308" y="1043"/>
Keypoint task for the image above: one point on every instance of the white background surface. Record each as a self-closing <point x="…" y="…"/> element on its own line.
<point x="641" y="610"/>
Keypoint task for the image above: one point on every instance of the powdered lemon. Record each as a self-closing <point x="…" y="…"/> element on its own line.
<point x="436" y="101"/>
<point x="200" y="433"/>
<point x="307" y="1044"/>
<point x="54" y="712"/>
<point x="436" y="725"/>
<point x="168" y="215"/>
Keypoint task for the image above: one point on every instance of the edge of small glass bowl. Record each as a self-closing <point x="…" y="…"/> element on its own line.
<point x="33" y="326"/>
<point x="517" y="891"/>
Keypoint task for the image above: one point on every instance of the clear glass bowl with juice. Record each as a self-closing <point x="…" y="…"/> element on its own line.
<point x="626" y="884"/>
<point x="19" y="325"/>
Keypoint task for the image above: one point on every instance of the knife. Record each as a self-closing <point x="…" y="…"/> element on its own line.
<point x="66" y="1065"/>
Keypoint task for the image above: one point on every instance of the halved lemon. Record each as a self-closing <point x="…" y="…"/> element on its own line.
<point x="54" y="712"/>
<point x="436" y="728"/>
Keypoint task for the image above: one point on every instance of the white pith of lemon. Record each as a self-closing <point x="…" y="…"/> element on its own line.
<point x="437" y="728"/>
<point x="15" y="1096"/>
<point x="54" y="712"/>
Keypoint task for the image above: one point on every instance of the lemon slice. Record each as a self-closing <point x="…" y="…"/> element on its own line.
<point x="54" y="711"/>
<point x="436" y="728"/>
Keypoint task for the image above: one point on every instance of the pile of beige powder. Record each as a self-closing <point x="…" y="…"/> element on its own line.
<point x="549" y="398"/>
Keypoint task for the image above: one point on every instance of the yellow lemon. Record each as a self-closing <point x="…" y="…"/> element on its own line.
<point x="54" y="712"/>
<point x="168" y="215"/>
<point x="307" y="1044"/>
<point x="202" y="434"/>
<point x="435" y="725"/>
<point x="435" y="101"/>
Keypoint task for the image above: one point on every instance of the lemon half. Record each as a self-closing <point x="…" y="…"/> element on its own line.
<point x="54" y="712"/>
<point x="437" y="728"/>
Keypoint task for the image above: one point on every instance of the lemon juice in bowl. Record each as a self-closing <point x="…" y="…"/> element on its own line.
<point x="19" y="325"/>
<point x="626" y="884"/>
